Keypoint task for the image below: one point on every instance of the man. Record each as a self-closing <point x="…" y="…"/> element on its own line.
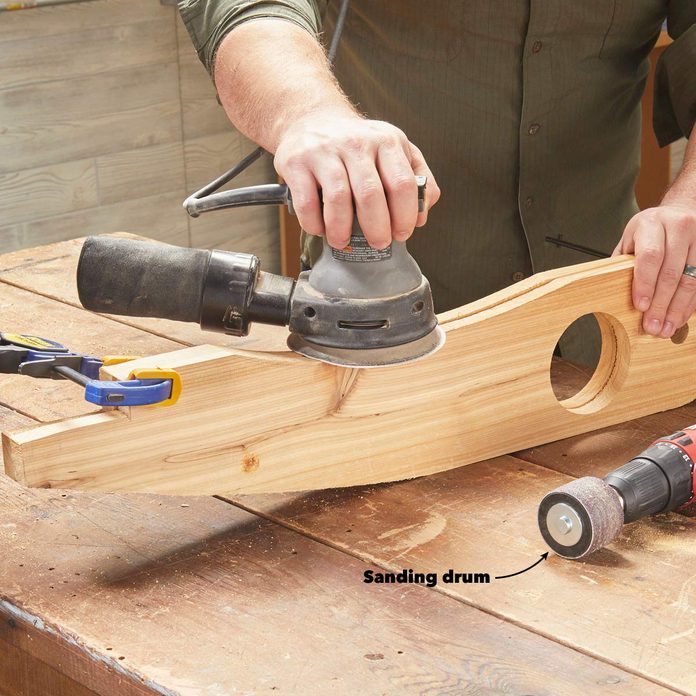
<point x="527" y="111"/>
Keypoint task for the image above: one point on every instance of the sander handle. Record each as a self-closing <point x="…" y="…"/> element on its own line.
<point x="263" y="194"/>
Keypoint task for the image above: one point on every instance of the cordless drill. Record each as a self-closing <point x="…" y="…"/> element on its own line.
<point x="588" y="513"/>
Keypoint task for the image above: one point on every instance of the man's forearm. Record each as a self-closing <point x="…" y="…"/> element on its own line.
<point x="683" y="190"/>
<point x="269" y="73"/>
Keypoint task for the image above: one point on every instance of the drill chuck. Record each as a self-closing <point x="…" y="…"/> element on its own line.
<point x="657" y="480"/>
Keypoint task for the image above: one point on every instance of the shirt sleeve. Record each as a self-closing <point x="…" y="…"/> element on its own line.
<point x="209" y="21"/>
<point x="674" y="111"/>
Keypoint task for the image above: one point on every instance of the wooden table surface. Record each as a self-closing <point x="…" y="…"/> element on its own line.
<point x="140" y="594"/>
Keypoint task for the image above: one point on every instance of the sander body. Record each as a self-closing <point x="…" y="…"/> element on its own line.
<point x="357" y="307"/>
<point x="588" y="513"/>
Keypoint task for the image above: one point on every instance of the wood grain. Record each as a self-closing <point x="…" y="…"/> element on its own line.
<point x="61" y="56"/>
<point x="160" y="217"/>
<point x="598" y="453"/>
<point x="141" y="173"/>
<point x="10" y="237"/>
<point x="83" y="82"/>
<point x="21" y="676"/>
<point x="36" y="660"/>
<point x="197" y="596"/>
<point x="47" y="191"/>
<point x="324" y="426"/>
<point x="60" y="120"/>
<point x="208" y="156"/>
<point x="632" y="603"/>
<point x="80" y="18"/>
<point x="116" y="85"/>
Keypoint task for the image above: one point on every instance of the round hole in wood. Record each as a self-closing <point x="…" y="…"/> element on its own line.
<point x="681" y="334"/>
<point x="595" y="354"/>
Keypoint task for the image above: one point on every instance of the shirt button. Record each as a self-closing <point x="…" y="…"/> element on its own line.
<point x="536" y="46"/>
<point x="529" y="201"/>
<point x="517" y="276"/>
<point x="534" y="129"/>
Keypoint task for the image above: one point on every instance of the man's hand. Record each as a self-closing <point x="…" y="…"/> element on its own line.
<point x="277" y="88"/>
<point x="663" y="240"/>
<point x="349" y="158"/>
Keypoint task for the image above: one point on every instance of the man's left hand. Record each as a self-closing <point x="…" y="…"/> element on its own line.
<point x="663" y="240"/>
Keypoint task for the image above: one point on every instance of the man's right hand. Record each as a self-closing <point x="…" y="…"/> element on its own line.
<point x="277" y="87"/>
<point x="352" y="159"/>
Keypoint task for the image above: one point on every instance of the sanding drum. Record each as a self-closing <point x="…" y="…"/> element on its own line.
<point x="581" y="517"/>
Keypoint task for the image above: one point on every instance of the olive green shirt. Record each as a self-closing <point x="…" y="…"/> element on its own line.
<point x="527" y="111"/>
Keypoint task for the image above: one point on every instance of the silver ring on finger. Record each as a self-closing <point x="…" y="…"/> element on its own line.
<point x="690" y="271"/>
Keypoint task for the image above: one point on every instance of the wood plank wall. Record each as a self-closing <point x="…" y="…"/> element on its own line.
<point x="107" y="122"/>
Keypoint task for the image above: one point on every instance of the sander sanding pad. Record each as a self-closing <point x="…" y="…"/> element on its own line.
<point x="370" y="357"/>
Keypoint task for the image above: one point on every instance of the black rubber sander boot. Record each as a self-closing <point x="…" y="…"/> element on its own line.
<point x="141" y="279"/>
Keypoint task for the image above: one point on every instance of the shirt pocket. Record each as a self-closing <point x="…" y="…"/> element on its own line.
<point x="634" y="25"/>
<point x="581" y="25"/>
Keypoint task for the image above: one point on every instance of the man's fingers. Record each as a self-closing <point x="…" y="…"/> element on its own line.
<point x="370" y="200"/>
<point x="649" y="247"/>
<point x="401" y="190"/>
<point x="683" y="302"/>
<point x="432" y="190"/>
<point x="338" y="202"/>
<point x="619" y="248"/>
<point x="675" y="252"/>
<point x="354" y="166"/>
<point x="305" y="200"/>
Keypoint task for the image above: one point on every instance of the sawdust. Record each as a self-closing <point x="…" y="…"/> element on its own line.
<point x="413" y="535"/>
<point x="660" y="533"/>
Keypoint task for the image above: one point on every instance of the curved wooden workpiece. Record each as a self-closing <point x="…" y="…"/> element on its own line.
<point x="261" y="422"/>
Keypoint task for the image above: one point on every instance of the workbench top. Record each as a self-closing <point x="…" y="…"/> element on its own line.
<point x="142" y="594"/>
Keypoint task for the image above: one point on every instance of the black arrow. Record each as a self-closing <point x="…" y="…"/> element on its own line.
<point x="543" y="557"/>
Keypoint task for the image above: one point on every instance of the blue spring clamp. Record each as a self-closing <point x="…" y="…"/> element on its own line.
<point x="39" y="357"/>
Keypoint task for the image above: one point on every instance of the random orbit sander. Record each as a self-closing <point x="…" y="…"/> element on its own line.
<point x="357" y="307"/>
<point x="584" y="515"/>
